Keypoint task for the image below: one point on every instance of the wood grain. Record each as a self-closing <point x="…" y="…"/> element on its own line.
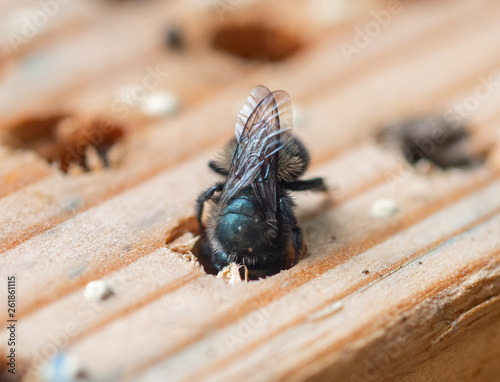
<point x="409" y="297"/>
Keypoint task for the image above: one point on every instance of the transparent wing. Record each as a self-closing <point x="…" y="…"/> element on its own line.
<point x="255" y="160"/>
<point x="257" y="94"/>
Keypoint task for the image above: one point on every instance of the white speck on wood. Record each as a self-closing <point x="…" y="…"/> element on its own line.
<point x="98" y="290"/>
<point x="160" y="103"/>
<point x="384" y="207"/>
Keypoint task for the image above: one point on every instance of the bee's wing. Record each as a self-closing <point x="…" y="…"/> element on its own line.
<point x="255" y="160"/>
<point x="257" y="94"/>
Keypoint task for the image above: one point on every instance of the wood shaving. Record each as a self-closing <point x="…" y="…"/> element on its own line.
<point x="93" y="160"/>
<point x="183" y="244"/>
<point x="116" y="154"/>
<point x="74" y="169"/>
<point x="232" y="275"/>
<point x="191" y="259"/>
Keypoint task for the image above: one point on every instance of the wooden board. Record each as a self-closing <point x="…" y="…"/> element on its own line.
<point x="409" y="297"/>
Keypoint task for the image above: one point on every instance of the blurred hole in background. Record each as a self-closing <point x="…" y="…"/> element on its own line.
<point x="256" y="42"/>
<point x="436" y="140"/>
<point x="174" y="38"/>
<point x="66" y="139"/>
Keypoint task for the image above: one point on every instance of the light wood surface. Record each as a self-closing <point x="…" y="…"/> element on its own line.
<point x="427" y="309"/>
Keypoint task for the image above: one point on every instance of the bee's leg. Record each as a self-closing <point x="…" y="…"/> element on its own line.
<point x="315" y="184"/>
<point x="204" y="197"/>
<point x="286" y="205"/>
<point x="216" y="167"/>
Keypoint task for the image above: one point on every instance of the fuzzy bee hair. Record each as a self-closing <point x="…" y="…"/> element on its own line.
<point x="293" y="159"/>
<point x="252" y="220"/>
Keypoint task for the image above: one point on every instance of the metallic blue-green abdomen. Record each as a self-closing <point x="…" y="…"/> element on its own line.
<point x="241" y="228"/>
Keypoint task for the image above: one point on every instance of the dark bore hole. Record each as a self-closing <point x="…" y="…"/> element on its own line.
<point x="435" y="139"/>
<point x="65" y="139"/>
<point x="256" y="42"/>
<point x="202" y="252"/>
<point x="174" y="39"/>
<point x="182" y="239"/>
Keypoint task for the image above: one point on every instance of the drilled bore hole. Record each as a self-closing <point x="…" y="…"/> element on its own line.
<point x="193" y="248"/>
<point x="433" y="139"/>
<point x="256" y="42"/>
<point x="202" y="252"/>
<point x="66" y="139"/>
<point x="186" y="239"/>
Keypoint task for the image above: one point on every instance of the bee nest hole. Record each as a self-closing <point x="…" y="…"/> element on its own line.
<point x="69" y="141"/>
<point x="183" y="245"/>
<point x="256" y="42"/>
<point x="434" y="142"/>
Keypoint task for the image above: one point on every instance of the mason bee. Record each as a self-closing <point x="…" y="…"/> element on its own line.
<point x="252" y="222"/>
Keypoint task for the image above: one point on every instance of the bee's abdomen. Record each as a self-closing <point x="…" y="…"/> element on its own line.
<point x="241" y="228"/>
